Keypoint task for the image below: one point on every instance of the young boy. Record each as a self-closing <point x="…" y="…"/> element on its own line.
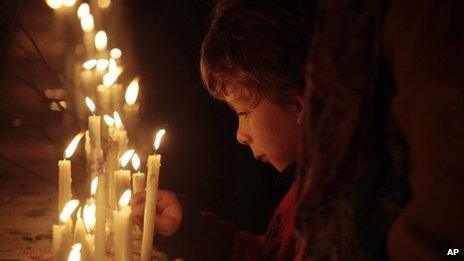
<point x="253" y="58"/>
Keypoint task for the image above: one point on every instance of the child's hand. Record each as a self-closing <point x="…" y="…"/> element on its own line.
<point x="168" y="211"/>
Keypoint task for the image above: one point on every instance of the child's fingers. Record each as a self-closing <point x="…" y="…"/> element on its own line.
<point x="137" y="198"/>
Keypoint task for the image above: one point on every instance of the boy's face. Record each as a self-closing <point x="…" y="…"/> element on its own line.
<point x="272" y="132"/>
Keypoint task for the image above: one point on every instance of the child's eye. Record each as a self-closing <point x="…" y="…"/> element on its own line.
<point x="242" y="114"/>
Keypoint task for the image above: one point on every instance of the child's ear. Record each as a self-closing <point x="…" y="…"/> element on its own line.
<point x="300" y="108"/>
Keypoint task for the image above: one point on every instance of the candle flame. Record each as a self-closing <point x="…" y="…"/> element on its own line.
<point x="124" y="159"/>
<point x="117" y="121"/>
<point x="73" y="145"/>
<point x="104" y="3"/>
<point x="124" y="199"/>
<point x="69" y="3"/>
<point x="89" y="217"/>
<point x="159" y="136"/>
<point x="93" y="186"/>
<point x="90" y="104"/>
<point x="116" y="53"/>
<point x="136" y="162"/>
<point x="87" y="23"/>
<point x="108" y="120"/>
<point x="89" y="64"/>
<point x="113" y="73"/>
<point x="68" y="209"/>
<point x="55" y="4"/>
<point x="102" y="64"/>
<point x="83" y="10"/>
<point x="101" y="40"/>
<point x="75" y="254"/>
<point x="132" y="91"/>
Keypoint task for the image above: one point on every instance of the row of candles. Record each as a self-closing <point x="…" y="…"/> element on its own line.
<point x="103" y="224"/>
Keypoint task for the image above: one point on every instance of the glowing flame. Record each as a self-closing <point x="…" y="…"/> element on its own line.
<point x="87" y="23"/>
<point x="90" y="104"/>
<point x="101" y="40"/>
<point x="116" y="53"/>
<point x="89" y="64"/>
<point x="104" y="3"/>
<point x="89" y="217"/>
<point x="117" y="121"/>
<point x="93" y="186"/>
<point x="75" y="254"/>
<point x="68" y="209"/>
<point x="69" y="3"/>
<point x="83" y="10"/>
<point x="124" y="199"/>
<point x="102" y="64"/>
<point x="132" y="91"/>
<point x="55" y="4"/>
<point x="159" y="136"/>
<point x="136" y="162"/>
<point x="108" y="120"/>
<point x="73" y="145"/>
<point x="124" y="159"/>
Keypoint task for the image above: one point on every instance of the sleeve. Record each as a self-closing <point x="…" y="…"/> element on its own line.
<point x="203" y="236"/>
<point x="425" y="42"/>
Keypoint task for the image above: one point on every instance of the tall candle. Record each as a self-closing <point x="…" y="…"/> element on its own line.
<point x="111" y="167"/>
<point x="123" y="228"/>
<point x="120" y="134"/>
<point x="94" y="125"/>
<point x="64" y="173"/>
<point x="153" y="164"/>
<point x="100" y="233"/>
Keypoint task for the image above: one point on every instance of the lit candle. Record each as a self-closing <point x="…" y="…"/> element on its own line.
<point x="104" y="98"/>
<point x="88" y="76"/>
<point x="62" y="233"/>
<point x="89" y="223"/>
<point x="120" y="134"/>
<point x="138" y="179"/>
<point x="80" y="235"/>
<point x="96" y="152"/>
<point x="88" y="25"/>
<point x="153" y="164"/>
<point x="131" y="107"/>
<point x="123" y="228"/>
<point x="109" y="121"/>
<point x="122" y="177"/>
<point x="75" y="254"/>
<point x="101" y="42"/>
<point x="64" y="173"/>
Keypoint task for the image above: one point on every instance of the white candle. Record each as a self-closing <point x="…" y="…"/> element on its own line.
<point x="138" y="179"/>
<point x="62" y="233"/>
<point x="123" y="229"/>
<point x="75" y="254"/>
<point x="120" y="134"/>
<point x="64" y="173"/>
<point x="104" y="98"/>
<point x="89" y="223"/>
<point x="111" y="167"/>
<point x="94" y="125"/>
<point x="153" y="164"/>
<point x="116" y="97"/>
<point x="100" y="233"/>
<point x="122" y="177"/>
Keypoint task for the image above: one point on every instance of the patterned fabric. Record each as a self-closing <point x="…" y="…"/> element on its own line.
<point x="352" y="179"/>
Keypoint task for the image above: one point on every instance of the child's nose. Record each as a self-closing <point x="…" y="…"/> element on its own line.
<point x="242" y="137"/>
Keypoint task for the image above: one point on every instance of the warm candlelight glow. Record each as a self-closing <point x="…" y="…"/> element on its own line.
<point x="75" y="254"/>
<point x="69" y="3"/>
<point x="101" y="40"/>
<point x="104" y="3"/>
<point x="73" y="145"/>
<point x="89" y="64"/>
<point x="110" y="78"/>
<point x="136" y="162"/>
<point x="159" y="136"/>
<point x="108" y="120"/>
<point x="83" y="10"/>
<point x="124" y="159"/>
<point x="93" y="186"/>
<point x="68" y="209"/>
<point x="87" y="23"/>
<point x="90" y="104"/>
<point x="55" y="4"/>
<point x="115" y="53"/>
<point x="89" y="217"/>
<point x="124" y="199"/>
<point x="102" y="64"/>
<point x="117" y="121"/>
<point x="132" y="91"/>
